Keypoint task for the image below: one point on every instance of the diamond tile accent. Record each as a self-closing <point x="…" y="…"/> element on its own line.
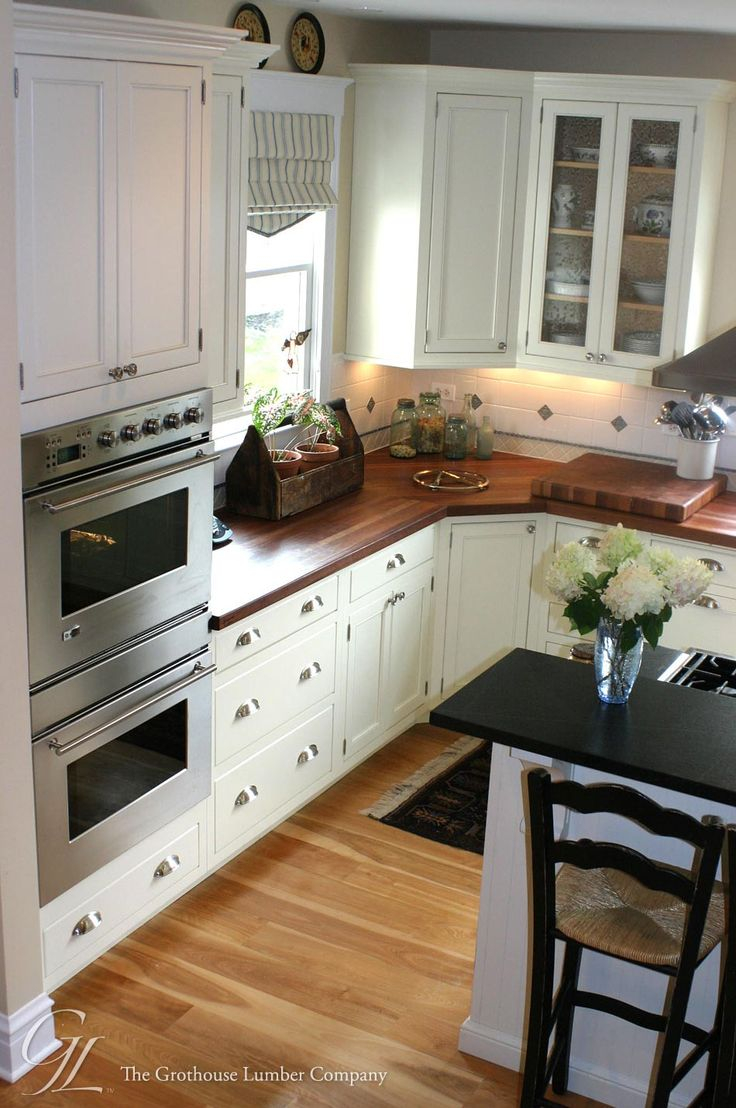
<point x="371" y="404"/>
<point x="545" y="411"/>
<point x="619" y="423"/>
<point x="475" y="401"/>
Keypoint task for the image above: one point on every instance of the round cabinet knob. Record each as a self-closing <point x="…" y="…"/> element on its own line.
<point x="173" y="421"/>
<point x="194" y="415"/>
<point x="152" y="427"/>
<point x="108" y="438"/>
<point x="130" y="433"/>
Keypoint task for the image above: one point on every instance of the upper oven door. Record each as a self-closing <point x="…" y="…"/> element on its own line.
<point x="111" y="557"/>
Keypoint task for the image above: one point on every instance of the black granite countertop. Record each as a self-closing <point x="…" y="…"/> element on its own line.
<point x="678" y="738"/>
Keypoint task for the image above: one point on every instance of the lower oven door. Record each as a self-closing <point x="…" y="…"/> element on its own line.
<point x="111" y="557"/>
<point x="109" y="778"/>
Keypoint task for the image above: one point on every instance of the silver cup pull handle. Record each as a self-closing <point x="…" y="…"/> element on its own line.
<point x="312" y="605"/>
<point x="87" y="923"/>
<point x="711" y="564"/>
<point x="246" y="796"/>
<point x="248" y="637"/>
<point x="590" y="540"/>
<point x="705" y="601"/>
<point x="397" y="560"/>
<point x="310" y="671"/>
<point x="169" y="864"/>
<point x="308" y="754"/>
<point x="249" y="708"/>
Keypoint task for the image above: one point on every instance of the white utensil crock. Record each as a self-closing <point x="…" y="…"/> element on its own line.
<point x="696" y="458"/>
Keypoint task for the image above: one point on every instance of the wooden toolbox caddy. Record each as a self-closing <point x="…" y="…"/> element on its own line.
<point x="254" y="489"/>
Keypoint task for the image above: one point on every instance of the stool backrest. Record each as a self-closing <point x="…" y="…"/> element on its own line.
<point x="694" y="888"/>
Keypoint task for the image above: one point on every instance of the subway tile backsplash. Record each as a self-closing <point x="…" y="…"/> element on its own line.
<point x="538" y="414"/>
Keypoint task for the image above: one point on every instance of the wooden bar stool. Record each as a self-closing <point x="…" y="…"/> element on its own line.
<point x="613" y="900"/>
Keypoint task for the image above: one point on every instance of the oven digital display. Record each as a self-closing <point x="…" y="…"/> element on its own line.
<point x="66" y="454"/>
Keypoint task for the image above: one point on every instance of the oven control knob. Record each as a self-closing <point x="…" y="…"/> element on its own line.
<point x="108" y="438"/>
<point x="173" y="421"/>
<point x="130" y="433"/>
<point x="152" y="427"/>
<point x="194" y="415"/>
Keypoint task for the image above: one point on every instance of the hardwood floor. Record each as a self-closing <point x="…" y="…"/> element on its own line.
<point x="335" y="945"/>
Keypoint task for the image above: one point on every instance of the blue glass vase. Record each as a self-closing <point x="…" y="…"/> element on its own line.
<point x="616" y="669"/>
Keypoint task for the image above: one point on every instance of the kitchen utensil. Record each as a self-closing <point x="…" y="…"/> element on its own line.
<point x="682" y="415"/>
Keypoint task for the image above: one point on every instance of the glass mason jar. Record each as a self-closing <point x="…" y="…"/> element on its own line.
<point x="403" y="431"/>
<point x="456" y="438"/>
<point x="431" y="419"/>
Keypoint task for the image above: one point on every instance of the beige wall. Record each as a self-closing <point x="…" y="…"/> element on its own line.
<point x="20" y="957"/>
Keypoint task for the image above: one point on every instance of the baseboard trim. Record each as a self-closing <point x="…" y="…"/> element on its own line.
<point x="15" y="1058"/>
<point x="505" y="1050"/>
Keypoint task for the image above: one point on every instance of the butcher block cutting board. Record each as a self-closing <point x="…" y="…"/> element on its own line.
<point x="628" y="485"/>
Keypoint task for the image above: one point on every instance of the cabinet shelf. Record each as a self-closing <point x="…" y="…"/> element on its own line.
<point x="640" y="306"/>
<point x="632" y="236"/>
<point x="579" y="231"/>
<point x="576" y="165"/>
<point x="567" y="299"/>
<point x="664" y="171"/>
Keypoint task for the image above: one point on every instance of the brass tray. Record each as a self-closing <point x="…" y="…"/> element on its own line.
<point x="448" y="480"/>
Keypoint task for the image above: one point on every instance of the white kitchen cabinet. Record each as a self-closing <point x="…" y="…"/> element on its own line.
<point x="109" y="210"/>
<point x="112" y="125"/>
<point x="488" y="595"/>
<point x="387" y="659"/>
<point x="438" y="158"/>
<point x="624" y="212"/>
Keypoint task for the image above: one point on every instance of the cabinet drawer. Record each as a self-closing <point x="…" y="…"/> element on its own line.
<point x="722" y="562"/>
<point x="712" y="629"/>
<point x="388" y="564"/>
<point x="574" y="532"/>
<point x="255" y="700"/>
<point x="119" y="900"/>
<point x="269" y="626"/>
<point x="261" y="784"/>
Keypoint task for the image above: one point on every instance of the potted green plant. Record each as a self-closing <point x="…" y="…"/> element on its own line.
<point x="271" y="409"/>
<point x="320" y="446"/>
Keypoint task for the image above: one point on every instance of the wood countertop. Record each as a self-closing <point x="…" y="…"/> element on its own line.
<point x="267" y="560"/>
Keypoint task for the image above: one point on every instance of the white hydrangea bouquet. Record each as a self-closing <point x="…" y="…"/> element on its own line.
<point x="624" y="580"/>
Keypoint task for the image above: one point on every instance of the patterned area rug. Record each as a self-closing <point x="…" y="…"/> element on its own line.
<point x="446" y="800"/>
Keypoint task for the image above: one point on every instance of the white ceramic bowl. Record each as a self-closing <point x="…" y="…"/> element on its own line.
<point x="649" y="292"/>
<point x="659" y="154"/>
<point x="641" y="342"/>
<point x="568" y="288"/>
<point x="584" y="153"/>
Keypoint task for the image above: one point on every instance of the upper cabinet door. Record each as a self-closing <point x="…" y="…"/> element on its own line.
<point x="571" y="234"/>
<point x="66" y="211"/>
<point x="646" y="250"/>
<point x="473" y="197"/>
<point x="159" y="221"/>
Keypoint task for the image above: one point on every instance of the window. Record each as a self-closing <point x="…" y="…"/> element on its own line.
<point x="283" y="292"/>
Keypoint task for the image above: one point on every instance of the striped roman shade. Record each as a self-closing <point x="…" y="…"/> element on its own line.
<point x="289" y="168"/>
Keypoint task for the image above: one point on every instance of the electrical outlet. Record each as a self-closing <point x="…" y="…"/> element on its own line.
<point x="447" y="392"/>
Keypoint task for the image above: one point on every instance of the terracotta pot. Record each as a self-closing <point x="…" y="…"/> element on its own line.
<point x="316" y="454"/>
<point x="288" y="464"/>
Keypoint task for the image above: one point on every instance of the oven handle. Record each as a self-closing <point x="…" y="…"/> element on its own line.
<point x="197" y="674"/>
<point x="63" y="505"/>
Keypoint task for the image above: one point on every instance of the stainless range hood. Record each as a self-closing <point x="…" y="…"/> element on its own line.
<point x="709" y="368"/>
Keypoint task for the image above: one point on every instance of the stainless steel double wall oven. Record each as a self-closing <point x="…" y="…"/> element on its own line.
<point x="118" y="556"/>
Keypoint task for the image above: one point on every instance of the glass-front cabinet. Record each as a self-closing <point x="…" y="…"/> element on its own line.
<point x="609" y="241"/>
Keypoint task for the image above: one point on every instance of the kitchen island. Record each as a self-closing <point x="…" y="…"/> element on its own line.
<point x="678" y="745"/>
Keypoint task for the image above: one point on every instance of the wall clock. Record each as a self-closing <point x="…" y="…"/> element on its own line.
<point x="251" y="19"/>
<point x="307" y="43"/>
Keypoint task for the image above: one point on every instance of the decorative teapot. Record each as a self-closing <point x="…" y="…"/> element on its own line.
<point x="653" y="215"/>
